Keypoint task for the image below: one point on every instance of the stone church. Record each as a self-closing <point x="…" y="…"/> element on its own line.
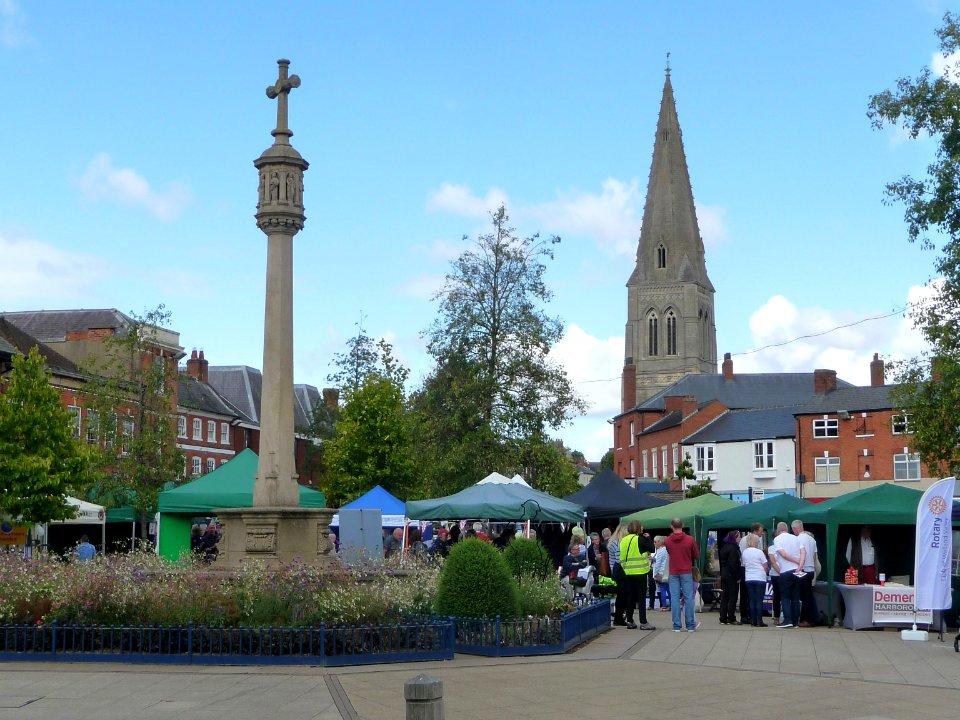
<point x="670" y="329"/>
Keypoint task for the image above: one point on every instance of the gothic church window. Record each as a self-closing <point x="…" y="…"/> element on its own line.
<point x="671" y="333"/>
<point x="652" y="344"/>
<point x="661" y="256"/>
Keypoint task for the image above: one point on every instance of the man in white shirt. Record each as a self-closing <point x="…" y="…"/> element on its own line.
<point x="863" y="556"/>
<point x="809" y="613"/>
<point x="791" y="556"/>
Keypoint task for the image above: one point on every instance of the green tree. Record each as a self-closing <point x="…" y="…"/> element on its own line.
<point x="495" y="386"/>
<point x="685" y="471"/>
<point x="352" y="366"/>
<point x="40" y="461"/>
<point x="132" y="392"/>
<point x="372" y="443"/>
<point x="606" y="462"/>
<point x="928" y="387"/>
<point x="704" y="487"/>
<point x="546" y="466"/>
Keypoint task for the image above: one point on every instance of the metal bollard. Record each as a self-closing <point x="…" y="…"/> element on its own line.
<point x="424" y="696"/>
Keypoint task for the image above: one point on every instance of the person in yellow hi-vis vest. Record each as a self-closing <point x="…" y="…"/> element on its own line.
<point x="635" y="551"/>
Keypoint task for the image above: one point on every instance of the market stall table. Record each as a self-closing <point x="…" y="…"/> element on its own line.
<point x="865" y="608"/>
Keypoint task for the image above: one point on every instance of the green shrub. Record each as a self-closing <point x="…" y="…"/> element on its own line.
<point x="476" y="582"/>
<point x="542" y="596"/>
<point x="528" y="559"/>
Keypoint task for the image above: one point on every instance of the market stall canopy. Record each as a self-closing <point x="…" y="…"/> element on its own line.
<point x="87" y="513"/>
<point x="691" y="510"/>
<point x="607" y="495"/>
<point x="496" y="498"/>
<point x="229" y="486"/>
<point x="769" y="511"/>
<point x="391" y="508"/>
<point x="884" y="504"/>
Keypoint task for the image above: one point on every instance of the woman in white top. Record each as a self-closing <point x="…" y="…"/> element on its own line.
<point x="755" y="568"/>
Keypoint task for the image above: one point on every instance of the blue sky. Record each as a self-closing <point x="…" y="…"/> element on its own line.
<point x="130" y="129"/>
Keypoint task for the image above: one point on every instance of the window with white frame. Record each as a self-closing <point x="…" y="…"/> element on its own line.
<point x="195" y="466"/>
<point x="906" y="466"/>
<point x="826" y="428"/>
<point x="633" y="435"/>
<point x="74" y="412"/>
<point x="181" y="426"/>
<point x="211" y="431"/>
<point x="663" y="458"/>
<point x="110" y="432"/>
<point x="653" y="461"/>
<point x="901" y="424"/>
<point x="93" y="427"/>
<point x="676" y="456"/>
<point x="197" y="429"/>
<point x="826" y="469"/>
<point x="646" y="465"/>
<point x="211" y="465"/>
<point x="633" y="467"/>
<point x="704" y="455"/>
<point x="763" y="455"/>
<point x="224" y="433"/>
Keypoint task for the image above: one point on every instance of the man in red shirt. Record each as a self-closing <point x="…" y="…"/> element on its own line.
<point x="683" y="552"/>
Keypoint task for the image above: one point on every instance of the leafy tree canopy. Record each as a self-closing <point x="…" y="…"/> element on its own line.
<point x="929" y="386"/>
<point x="132" y="414"/>
<point x="372" y="443"/>
<point x="41" y="462"/>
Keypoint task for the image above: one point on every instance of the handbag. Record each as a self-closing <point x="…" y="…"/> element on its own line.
<point x="605" y="564"/>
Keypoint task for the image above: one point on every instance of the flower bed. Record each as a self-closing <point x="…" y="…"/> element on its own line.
<point x="139" y="608"/>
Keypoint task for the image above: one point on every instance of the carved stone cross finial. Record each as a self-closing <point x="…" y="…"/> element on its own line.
<point x="281" y="91"/>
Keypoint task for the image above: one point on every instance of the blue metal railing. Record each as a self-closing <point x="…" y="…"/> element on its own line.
<point x="531" y="636"/>
<point x="195" y="644"/>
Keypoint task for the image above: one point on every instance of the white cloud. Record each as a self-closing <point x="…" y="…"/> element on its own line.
<point x="713" y="224"/>
<point x="946" y="66"/>
<point x="35" y="273"/>
<point x="12" y="25"/>
<point x="848" y="350"/>
<point x="612" y="216"/>
<point x="102" y="181"/>
<point x="594" y="366"/>
<point x="423" y="286"/>
<point x="460" y="200"/>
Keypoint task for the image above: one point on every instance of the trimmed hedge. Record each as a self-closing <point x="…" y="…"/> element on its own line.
<point x="476" y="582"/>
<point x="529" y="559"/>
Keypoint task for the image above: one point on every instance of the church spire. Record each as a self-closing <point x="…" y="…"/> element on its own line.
<point x="670" y="328"/>
<point x="669" y="217"/>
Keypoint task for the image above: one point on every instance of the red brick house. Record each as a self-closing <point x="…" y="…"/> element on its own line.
<point x="849" y="438"/>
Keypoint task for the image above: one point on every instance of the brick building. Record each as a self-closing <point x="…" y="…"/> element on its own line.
<point x="849" y="438"/>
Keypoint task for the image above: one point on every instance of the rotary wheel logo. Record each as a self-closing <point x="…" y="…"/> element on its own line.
<point x="937" y="505"/>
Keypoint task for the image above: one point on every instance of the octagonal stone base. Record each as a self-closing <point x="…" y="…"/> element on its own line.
<point x="276" y="535"/>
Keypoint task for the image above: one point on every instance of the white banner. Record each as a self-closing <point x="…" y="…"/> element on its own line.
<point x="895" y="604"/>
<point x="931" y="570"/>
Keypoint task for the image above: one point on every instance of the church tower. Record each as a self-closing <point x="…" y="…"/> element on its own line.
<point x="670" y="320"/>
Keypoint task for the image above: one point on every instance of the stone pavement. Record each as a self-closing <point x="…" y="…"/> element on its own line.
<point x="718" y="672"/>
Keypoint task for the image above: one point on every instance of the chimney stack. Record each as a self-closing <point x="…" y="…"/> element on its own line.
<point x="727" y="367"/>
<point x="686" y="405"/>
<point x="824" y="381"/>
<point x="331" y="398"/>
<point x="876" y="371"/>
<point x="197" y="366"/>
